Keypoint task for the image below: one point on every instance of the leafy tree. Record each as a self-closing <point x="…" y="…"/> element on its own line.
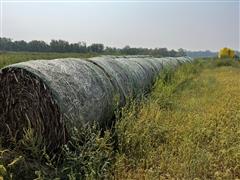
<point x="110" y="50"/>
<point x="98" y="48"/>
<point x="163" y="52"/>
<point x="173" y="53"/>
<point x="59" y="46"/>
<point x="181" y="52"/>
<point x="38" y="46"/>
<point x="82" y="47"/>
<point x="74" y="47"/>
<point x="20" y="45"/>
<point x="5" y="44"/>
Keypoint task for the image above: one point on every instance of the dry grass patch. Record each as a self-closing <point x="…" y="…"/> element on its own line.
<point x="197" y="137"/>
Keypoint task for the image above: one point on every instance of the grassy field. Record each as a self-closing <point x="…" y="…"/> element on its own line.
<point x="187" y="127"/>
<point x="7" y="58"/>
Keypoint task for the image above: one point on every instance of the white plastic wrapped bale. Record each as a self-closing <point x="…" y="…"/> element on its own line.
<point x="80" y="93"/>
<point x="55" y="96"/>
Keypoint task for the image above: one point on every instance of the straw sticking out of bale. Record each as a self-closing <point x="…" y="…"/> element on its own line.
<point x="26" y="102"/>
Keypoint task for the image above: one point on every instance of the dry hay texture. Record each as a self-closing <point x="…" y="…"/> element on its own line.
<point x="54" y="96"/>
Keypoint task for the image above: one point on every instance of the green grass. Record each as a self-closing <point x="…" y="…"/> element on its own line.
<point x="187" y="127"/>
<point x="7" y="58"/>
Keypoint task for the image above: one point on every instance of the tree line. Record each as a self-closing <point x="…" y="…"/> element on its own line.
<point x="7" y="44"/>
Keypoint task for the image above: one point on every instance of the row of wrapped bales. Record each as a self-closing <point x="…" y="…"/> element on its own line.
<point x="55" y="96"/>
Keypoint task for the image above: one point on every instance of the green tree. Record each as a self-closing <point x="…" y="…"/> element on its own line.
<point x="59" y="46"/>
<point x="38" y="46"/>
<point x="5" y="44"/>
<point x="20" y="45"/>
<point x="181" y="52"/>
<point x="98" y="48"/>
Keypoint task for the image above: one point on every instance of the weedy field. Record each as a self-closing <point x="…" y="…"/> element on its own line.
<point x="187" y="127"/>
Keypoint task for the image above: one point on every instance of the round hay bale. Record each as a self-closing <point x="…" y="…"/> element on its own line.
<point x="53" y="97"/>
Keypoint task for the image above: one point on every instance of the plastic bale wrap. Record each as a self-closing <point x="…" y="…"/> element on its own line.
<point x="151" y="70"/>
<point x="182" y="60"/>
<point x="120" y="75"/>
<point x="170" y="62"/>
<point x="54" y="97"/>
<point x="131" y="76"/>
<point x="139" y="76"/>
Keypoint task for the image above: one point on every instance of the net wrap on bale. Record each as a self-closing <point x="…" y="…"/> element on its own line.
<point x="55" y="96"/>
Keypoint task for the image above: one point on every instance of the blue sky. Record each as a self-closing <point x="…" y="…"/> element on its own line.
<point x="188" y="25"/>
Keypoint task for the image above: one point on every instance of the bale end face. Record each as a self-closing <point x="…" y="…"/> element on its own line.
<point x="27" y="103"/>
